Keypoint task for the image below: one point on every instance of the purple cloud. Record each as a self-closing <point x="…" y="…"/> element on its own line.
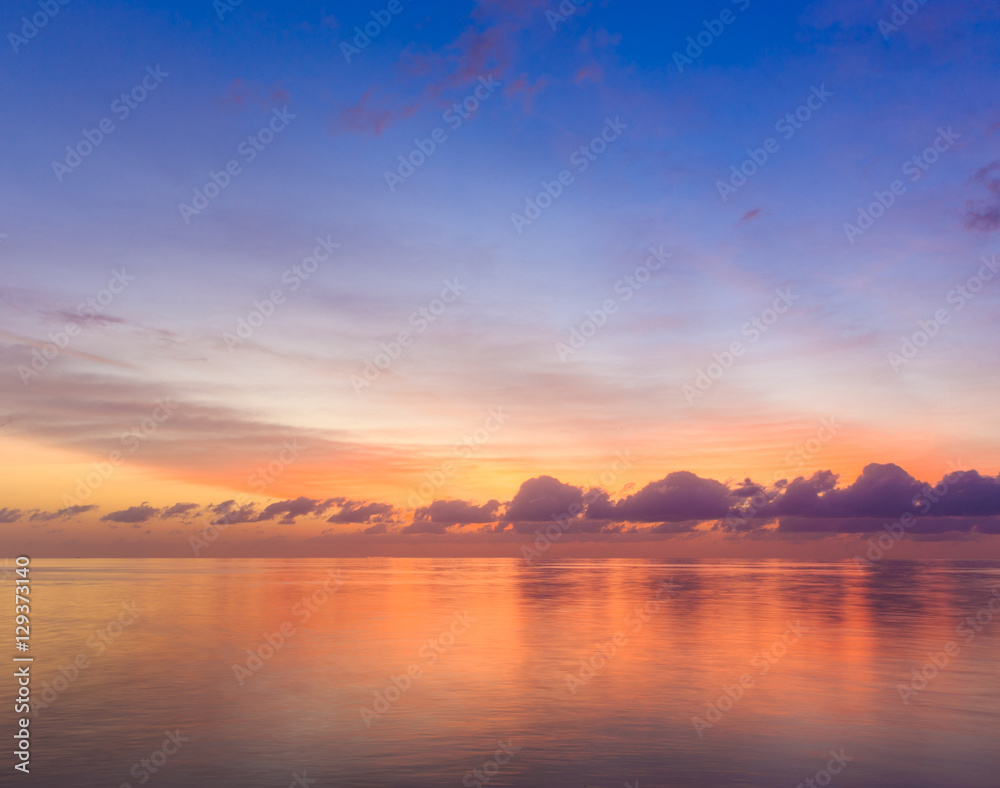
<point x="678" y="497"/>
<point x="542" y="499"/>
<point x="177" y="509"/>
<point x="358" y="512"/>
<point x="134" y="514"/>
<point x="63" y="514"/>
<point x="458" y="512"/>
<point x="292" y="509"/>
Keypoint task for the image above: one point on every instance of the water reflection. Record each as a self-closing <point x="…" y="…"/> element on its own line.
<point x="586" y="671"/>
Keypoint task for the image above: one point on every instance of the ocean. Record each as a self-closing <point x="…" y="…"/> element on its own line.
<point x="490" y="672"/>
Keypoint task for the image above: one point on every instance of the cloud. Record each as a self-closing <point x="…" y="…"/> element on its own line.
<point x="177" y="509"/>
<point x="425" y="527"/>
<point x="229" y="513"/>
<point x="542" y="499"/>
<point x="674" y="528"/>
<point x="525" y="89"/>
<point x="201" y="443"/>
<point x="64" y="315"/>
<point x="40" y="345"/>
<point x="134" y="514"/>
<point x="883" y="492"/>
<point x="880" y="491"/>
<point x="442" y="515"/>
<point x="349" y="511"/>
<point x="359" y="512"/>
<point x="802" y="495"/>
<point x="592" y="72"/>
<point x="965" y="494"/>
<point x="292" y="509"/>
<point x="63" y="514"/>
<point x="750" y="215"/>
<point x="964" y="501"/>
<point x="485" y="48"/>
<point x="371" y="114"/>
<point x="984" y="215"/>
<point x="678" y="497"/>
<point x="458" y="512"/>
<point x="476" y="53"/>
<point x="9" y="515"/>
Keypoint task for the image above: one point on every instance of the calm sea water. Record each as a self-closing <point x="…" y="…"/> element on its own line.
<point x="399" y="672"/>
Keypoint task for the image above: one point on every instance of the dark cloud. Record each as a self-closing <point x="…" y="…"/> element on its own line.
<point x="963" y="502"/>
<point x="458" y="512"/>
<point x="802" y="495"/>
<point x="441" y="515"/>
<point x="134" y="514"/>
<point x="880" y="491"/>
<point x="63" y="514"/>
<point x="574" y="525"/>
<point x="360" y="512"/>
<point x="959" y="502"/>
<point x="675" y="528"/>
<point x="292" y="509"/>
<point x="10" y="515"/>
<point x="425" y="527"/>
<point x="543" y="499"/>
<point x="229" y="513"/>
<point x="678" y="497"/>
<point x="70" y="511"/>
<point x="177" y="509"/>
<point x="966" y="494"/>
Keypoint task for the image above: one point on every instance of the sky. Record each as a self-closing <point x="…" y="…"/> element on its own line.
<point x="497" y="278"/>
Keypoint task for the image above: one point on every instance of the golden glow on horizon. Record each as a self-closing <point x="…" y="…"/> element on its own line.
<point x="42" y="476"/>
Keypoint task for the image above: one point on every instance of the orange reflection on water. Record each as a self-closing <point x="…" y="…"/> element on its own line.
<point x="409" y="671"/>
